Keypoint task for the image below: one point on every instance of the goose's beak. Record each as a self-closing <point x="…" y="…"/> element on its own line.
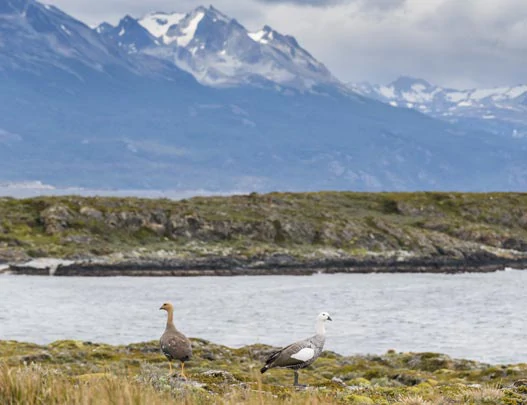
<point x="329" y="318"/>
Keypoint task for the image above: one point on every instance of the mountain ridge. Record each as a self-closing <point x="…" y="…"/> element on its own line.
<point x="218" y="51"/>
<point x="502" y="110"/>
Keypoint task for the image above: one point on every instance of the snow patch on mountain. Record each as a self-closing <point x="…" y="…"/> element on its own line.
<point x="158" y="23"/>
<point x="258" y="36"/>
<point x="387" y="92"/>
<point x="506" y="107"/>
<point x="182" y="33"/>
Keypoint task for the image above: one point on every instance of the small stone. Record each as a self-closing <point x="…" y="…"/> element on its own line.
<point x="208" y="356"/>
<point x="337" y="380"/>
<point x="219" y="375"/>
<point x="91" y="213"/>
<point x="520" y="383"/>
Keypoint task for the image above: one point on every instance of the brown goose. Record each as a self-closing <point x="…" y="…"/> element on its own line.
<point x="302" y="353"/>
<point x="174" y="344"/>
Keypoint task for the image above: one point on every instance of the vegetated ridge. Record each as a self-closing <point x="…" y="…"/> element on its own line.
<point x="276" y="233"/>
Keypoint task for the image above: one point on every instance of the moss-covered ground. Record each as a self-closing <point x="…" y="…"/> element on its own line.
<point x="73" y="372"/>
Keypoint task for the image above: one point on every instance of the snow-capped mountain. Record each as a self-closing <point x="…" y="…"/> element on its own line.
<point x="109" y="107"/>
<point x="219" y="51"/>
<point x="502" y="110"/>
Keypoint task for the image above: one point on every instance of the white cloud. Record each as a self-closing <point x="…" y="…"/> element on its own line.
<point x="451" y="42"/>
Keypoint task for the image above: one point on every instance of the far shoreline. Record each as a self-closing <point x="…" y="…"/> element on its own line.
<point x="226" y="267"/>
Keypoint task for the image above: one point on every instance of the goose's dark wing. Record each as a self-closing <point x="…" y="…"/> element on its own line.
<point x="295" y="354"/>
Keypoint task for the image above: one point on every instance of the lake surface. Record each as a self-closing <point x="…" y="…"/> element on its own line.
<point x="475" y="316"/>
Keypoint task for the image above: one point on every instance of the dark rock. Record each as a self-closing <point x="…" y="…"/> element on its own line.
<point x="36" y="358"/>
<point x="207" y="355"/>
<point x="408" y="379"/>
<point x="279" y="260"/>
<point x="515" y="244"/>
<point x="430" y="362"/>
<point x="520" y="383"/>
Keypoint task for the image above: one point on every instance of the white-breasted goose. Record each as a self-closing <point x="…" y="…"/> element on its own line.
<point x="302" y="353"/>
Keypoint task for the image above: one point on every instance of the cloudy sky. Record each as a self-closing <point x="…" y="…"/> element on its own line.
<point x="457" y="43"/>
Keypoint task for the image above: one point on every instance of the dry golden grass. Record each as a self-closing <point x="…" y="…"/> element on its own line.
<point x="483" y="395"/>
<point x="35" y="385"/>
<point x="413" y="400"/>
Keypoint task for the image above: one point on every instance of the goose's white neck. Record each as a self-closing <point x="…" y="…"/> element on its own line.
<point x="320" y="328"/>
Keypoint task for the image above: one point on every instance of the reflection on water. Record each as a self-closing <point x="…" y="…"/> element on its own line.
<point x="476" y="316"/>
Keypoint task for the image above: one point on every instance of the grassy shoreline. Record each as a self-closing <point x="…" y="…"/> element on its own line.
<point x="77" y="372"/>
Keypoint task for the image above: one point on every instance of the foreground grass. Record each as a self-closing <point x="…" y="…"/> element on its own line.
<point x="71" y="372"/>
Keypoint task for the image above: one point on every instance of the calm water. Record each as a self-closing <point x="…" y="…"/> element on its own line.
<point x="477" y="316"/>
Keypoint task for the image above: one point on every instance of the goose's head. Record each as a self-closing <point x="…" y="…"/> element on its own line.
<point x="167" y="306"/>
<point x="324" y="316"/>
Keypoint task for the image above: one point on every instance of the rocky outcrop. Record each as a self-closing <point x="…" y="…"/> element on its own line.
<point x="56" y="218"/>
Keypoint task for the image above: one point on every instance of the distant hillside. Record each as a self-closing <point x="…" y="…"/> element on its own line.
<point x="279" y="230"/>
